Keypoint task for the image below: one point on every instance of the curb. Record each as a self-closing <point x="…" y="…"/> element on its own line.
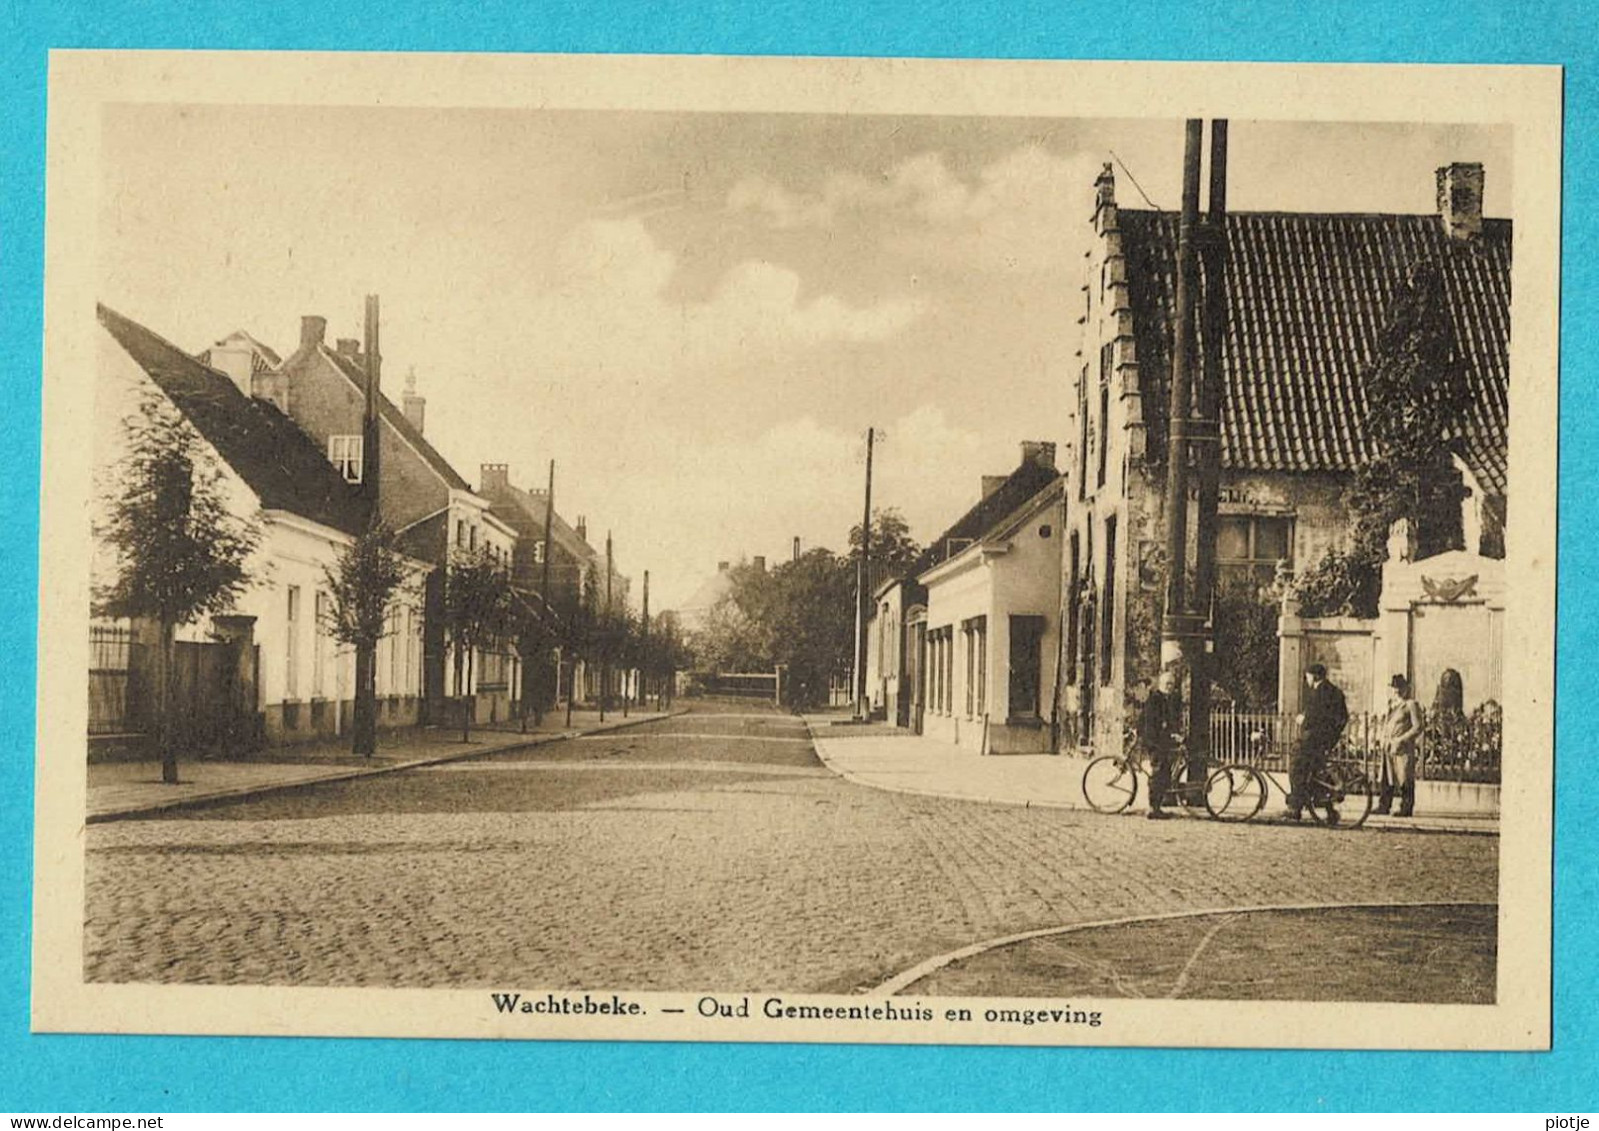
<point x="908" y="978"/>
<point x="260" y="790"/>
<point x="1422" y="826"/>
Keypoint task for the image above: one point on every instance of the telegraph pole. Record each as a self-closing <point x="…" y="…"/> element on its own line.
<point x="366" y="660"/>
<point x="862" y="591"/>
<point x="1207" y="440"/>
<point x="605" y="630"/>
<point x="644" y="659"/>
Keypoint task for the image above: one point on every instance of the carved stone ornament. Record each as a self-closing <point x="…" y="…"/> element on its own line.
<point x="1450" y="588"/>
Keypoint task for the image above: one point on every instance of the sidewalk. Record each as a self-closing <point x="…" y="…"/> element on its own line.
<point x="894" y="759"/>
<point x="129" y="789"/>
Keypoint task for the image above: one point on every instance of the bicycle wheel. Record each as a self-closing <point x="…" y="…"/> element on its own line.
<point x="1110" y="784"/>
<point x="1235" y="793"/>
<point x="1341" y="797"/>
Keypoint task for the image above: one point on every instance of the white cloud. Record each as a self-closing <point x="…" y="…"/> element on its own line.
<point x="1028" y="210"/>
<point x="608" y="310"/>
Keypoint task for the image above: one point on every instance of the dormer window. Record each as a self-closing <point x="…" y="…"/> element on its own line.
<point x="344" y="453"/>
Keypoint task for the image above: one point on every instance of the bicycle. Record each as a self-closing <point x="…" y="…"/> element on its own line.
<point x="1110" y="784"/>
<point x="1340" y="792"/>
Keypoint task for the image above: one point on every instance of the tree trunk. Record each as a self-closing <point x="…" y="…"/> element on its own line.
<point x="466" y="696"/>
<point x="364" y="724"/>
<point x="461" y="688"/>
<point x="166" y="733"/>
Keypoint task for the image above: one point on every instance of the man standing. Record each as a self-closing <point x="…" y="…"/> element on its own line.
<point x="1400" y="729"/>
<point x="1156" y="727"/>
<point x="1321" y="724"/>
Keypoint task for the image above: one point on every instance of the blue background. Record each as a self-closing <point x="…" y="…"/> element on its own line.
<point x="68" y="1073"/>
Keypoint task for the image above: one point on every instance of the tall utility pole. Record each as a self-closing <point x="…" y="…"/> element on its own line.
<point x="365" y="722"/>
<point x="1194" y="416"/>
<point x="862" y="592"/>
<point x="1207" y="439"/>
<point x="605" y="631"/>
<point x="644" y="651"/>
<point x="1177" y="628"/>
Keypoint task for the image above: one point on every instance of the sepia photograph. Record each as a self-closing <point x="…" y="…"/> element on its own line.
<point x="798" y="550"/>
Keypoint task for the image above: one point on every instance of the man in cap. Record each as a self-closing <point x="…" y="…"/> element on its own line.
<point x="1321" y="725"/>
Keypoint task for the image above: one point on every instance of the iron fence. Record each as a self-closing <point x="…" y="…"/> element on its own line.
<point x="1452" y="747"/>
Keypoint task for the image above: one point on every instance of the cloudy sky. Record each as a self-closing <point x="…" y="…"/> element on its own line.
<point x="697" y="316"/>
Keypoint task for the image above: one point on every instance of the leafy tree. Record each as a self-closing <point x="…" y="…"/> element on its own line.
<point x="182" y="553"/>
<point x="1416" y="397"/>
<point x="1245" y="660"/>
<point x="810" y="616"/>
<point x="666" y="652"/>
<point x="362" y="585"/>
<point x="892" y="549"/>
<point x="478" y="613"/>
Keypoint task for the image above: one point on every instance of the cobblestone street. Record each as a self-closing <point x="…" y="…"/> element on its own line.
<point x="709" y="851"/>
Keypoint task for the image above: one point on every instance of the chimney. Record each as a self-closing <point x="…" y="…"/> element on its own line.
<point x="582" y="528"/>
<point x="760" y="563"/>
<point x="237" y="361"/>
<point x="721" y="567"/>
<point x="313" y="328"/>
<point x="414" y="407"/>
<point x="494" y="478"/>
<point x="1040" y="452"/>
<point x="349" y="347"/>
<point x="992" y="483"/>
<point x="796" y="548"/>
<point x="1460" y="199"/>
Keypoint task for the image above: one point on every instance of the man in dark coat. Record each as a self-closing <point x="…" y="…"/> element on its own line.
<point x="1321" y="725"/>
<point x="1156" y="737"/>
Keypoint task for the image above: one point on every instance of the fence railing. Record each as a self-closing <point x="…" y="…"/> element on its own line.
<point x="1457" y="748"/>
<point x="115" y="671"/>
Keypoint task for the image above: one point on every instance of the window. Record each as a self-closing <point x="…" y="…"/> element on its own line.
<point x="538" y="552"/>
<point x="942" y="641"/>
<point x="411" y="635"/>
<point x="971" y="666"/>
<point x="975" y="632"/>
<point x="1106" y="356"/>
<point x="460" y="532"/>
<point x="1026" y="636"/>
<point x="1084" y="436"/>
<point x="318" y="657"/>
<point x="1248" y="547"/>
<point x="344" y="452"/>
<point x="1073" y="582"/>
<point x="471" y="538"/>
<point x="291" y="659"/>
<point x="1108" y="609"/>
<point x="391" y="629"/>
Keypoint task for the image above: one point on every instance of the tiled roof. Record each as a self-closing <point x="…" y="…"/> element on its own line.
<point x="280" y="463"/>
<point x="397" y="419"/>
<point x="1308" y="296"/>
<point x="525" y="513"/>
<point x="1022" y="484"/>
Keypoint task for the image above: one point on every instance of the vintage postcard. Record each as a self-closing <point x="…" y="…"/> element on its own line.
<point x="798" y="550"/>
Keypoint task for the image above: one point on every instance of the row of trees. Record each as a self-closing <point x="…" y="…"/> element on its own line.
<point x="800" y="615"/>
<point x="183" y="554"/>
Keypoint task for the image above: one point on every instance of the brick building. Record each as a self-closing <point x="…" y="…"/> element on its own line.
<point x="425" y="500"/>
<point x="1307" y="297"/>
